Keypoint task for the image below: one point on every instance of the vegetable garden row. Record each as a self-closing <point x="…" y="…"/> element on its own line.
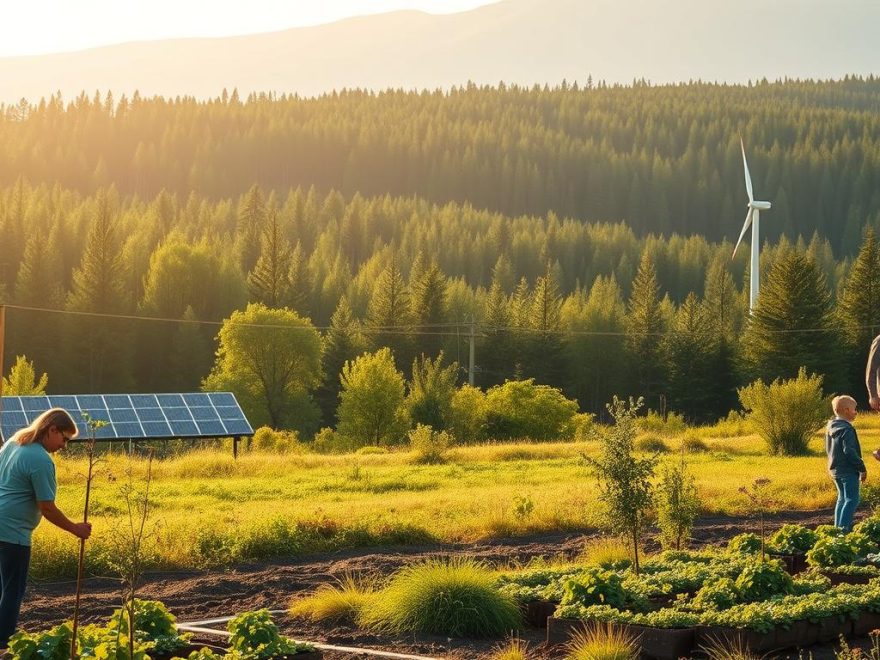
<point x="802" y="587"/>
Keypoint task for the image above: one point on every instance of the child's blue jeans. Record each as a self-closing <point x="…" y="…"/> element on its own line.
<point x="847" y="501"/>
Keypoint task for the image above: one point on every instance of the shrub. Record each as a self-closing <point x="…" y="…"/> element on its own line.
<point x="582" y="423"/>
<point x="744" y="544"/>
<point x="829" y="531"/>
<point x="430" y="391"/>
<point x="456" y="597"/>
<point x="870" y="527"/>
<point x="831" y="551"/>
<point x="735" y="425"/>
<point x="861" y="543"/>
<point x="793" y="539"/>
<point x="717" y="594"/>
<point x="430" y="446"/>
<point x="602" y="642"/>
<point x="760" y="580"/>
<point x="254" y="635"/>
<point x="651" y="444"/>
<point x="595" y="586"/>
<point x="677" y="505"/>
<point x="342" y="602"/>
<point x="654" y="422"/>
<point x="328" y="441"/>
<point x="692" y="443"/>
<point x="467" y="414"/>
<point x="280" y="442"/>
<point x="521" y="409"/>
<point x="786" y="412"/>
<point x="153" y="623"/>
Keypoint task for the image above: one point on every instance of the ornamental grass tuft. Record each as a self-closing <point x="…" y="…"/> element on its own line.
<point x="456" y="597"/>
<point x="341" y="602"/>
<point x="602" y="642"/>
<point x="513" y="649"/>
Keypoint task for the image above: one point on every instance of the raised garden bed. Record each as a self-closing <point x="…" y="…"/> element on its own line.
<point x="846" y="578"/>
<point x="659" y="643"/>
<point x="536" y="612"/>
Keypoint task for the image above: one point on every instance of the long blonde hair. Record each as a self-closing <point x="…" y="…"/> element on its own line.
<point x="37" y="430"/>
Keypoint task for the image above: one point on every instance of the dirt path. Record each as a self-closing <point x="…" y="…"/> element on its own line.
<point x="193" y="595"/>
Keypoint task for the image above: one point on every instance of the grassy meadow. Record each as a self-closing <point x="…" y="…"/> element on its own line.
<point x="208" y="509"/>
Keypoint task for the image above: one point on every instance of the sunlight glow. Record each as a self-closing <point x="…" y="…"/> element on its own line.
<point x="54" y="26"/>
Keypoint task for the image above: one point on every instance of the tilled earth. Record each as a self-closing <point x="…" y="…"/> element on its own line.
<point x="199" y="595"/>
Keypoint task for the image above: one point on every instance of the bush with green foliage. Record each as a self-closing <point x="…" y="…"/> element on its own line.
<point x="371" y="403"/>
<point x="651" y="444"/>
<point x="831" y="551"/>
<point x="745" y="544"/>
<point x="624" y="480"/>
<point x="671" y="425"/>
<point x="429" y="400"/>
<point x="717" y="594"/>
<point x="278" y="442"/>
<point x="793" y="539"/>
<point x="596" y="586"/>
<point x="870" y="527"/>
<point x="467" y="414"/>
<point x="786" y="412"/>
<point x="677" y="504"/>
<point x="762" y="579"/>
<point x="457" y="597"/>
<point x="692" y="443"/>
<point x="520" y="409"/>
<point x="429" y="446"/>
<point x="255" y="636"/>
<point x="153" y="624"/>
<point x="583" y="426"/>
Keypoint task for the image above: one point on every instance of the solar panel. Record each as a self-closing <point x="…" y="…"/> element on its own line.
<point x="135" y="416"/>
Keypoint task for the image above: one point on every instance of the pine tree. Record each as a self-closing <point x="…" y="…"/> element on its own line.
<point x="495" y="355"/>
<point x="300" y="282"/>
<point x="429" y="309"/>
<point x="791" y="326"/>
<point x="269" y="281"/>
<point x="389" y="316"/>
<point x="190" y="355"/>
<point x="545" y="342"/>
<point x="644" y="331"/>
<point x="251" y="220"/>
<point x="344" y="341"/>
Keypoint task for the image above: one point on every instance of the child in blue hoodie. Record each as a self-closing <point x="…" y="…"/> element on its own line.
<point x="845" y="464"/>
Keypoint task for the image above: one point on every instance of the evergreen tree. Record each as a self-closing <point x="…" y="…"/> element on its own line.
<point x="429" y="309"/>
<point x="389" y="314"/>
<point x="495" y="355"/>
<point x="792" y="326"/>
<point x="269" y="281"/>
<point x="251" y="220"/>
<point x="190" y="355"/>
<point x="545" y="342"/>
<point x="343" y="342"/>
<point x="300" y="281"/>
<point x="429" y="400"/>
<point x="859" y="309"/>
<point x="644" y="335"/>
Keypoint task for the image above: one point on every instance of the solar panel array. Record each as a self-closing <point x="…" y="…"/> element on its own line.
<point x="135" y="416"/>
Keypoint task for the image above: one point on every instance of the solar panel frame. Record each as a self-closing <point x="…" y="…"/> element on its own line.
<point x="160" y="416"/>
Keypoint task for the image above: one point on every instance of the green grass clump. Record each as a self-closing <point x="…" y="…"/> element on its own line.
<point x="651" y="444"/>
<point x="514" y="649"/>
<point x="692" y="443"/>
<point x="342" y="602"/>
<point x="602" y="642"/>
<point x="456" y="597"/>
<point x="606" y="552"/>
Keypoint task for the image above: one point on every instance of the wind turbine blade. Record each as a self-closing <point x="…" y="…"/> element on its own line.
<point x="748" y="176"/>
<point x="746" y="225"/>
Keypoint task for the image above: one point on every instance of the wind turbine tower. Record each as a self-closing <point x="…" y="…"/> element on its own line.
<point x="752" y="218"/>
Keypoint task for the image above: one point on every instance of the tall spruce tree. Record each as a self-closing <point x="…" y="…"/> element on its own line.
<point x="495" y="355"/>
<point x="792" y="324"/>
<point x="428" y="292"/>
<point x="269" y="281"/>
<point x="545" y="341"/>
<point x="249" y="229"/>
<point x="859" y="309"/>
<point x="343" y="342"/>
<point x="389" y="315"/>
<point x="644" y="336"/>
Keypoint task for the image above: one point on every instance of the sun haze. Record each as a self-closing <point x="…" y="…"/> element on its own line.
<point x="57" y="26"/>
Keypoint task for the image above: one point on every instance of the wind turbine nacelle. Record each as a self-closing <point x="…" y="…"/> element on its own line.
<point x="761" y="206"/>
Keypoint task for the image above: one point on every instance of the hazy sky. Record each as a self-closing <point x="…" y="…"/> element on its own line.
<point x="50" y="26"/>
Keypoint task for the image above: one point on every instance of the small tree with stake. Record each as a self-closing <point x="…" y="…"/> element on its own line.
<point x="624" y="479"/>
<point x="92" y="425"/>
<point x="761" y="503"/>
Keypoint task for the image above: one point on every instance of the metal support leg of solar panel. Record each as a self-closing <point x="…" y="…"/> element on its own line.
<point x="133" y="417"/>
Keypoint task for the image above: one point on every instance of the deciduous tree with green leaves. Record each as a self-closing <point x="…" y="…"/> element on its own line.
<point x="271" y="360"/>
<point x="624" y="478"/>
<point x="371" y="409"/>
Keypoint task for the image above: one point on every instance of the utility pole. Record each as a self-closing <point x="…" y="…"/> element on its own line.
<point x="471" y="357"/>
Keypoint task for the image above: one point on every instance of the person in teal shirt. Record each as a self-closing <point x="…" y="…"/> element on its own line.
<point x="27" y="494"/>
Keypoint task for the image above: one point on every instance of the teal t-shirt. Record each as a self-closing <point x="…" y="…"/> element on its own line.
<point x="27" y="476"/>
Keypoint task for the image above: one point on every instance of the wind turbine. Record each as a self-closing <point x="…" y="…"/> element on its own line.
<point x="752" y="218"/>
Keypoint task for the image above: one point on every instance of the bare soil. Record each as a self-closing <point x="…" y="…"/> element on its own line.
<point x="199" y="595"/>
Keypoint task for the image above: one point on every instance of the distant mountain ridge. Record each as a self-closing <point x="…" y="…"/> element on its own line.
<point x="515" y="41"/>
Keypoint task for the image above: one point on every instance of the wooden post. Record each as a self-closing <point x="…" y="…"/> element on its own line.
<point x="235" y="447"/>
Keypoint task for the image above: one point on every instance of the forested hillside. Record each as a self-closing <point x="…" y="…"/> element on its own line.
<point x="662" y="159"/>
<point x="582" y="235"/>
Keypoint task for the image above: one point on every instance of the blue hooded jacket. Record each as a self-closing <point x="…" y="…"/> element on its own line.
<point x="843" y="449"/>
